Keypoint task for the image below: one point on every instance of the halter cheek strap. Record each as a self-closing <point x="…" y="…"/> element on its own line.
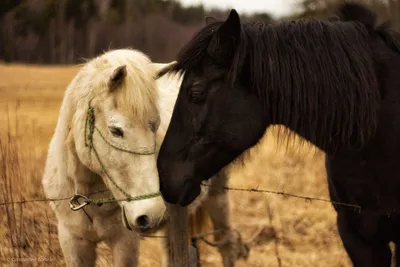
<point x="90" y="128"/>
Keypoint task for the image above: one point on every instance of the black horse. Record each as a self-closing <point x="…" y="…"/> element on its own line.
<point x="335" y="83"/>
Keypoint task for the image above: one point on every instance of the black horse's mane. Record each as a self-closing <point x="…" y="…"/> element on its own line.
<point x="315" y="76"/>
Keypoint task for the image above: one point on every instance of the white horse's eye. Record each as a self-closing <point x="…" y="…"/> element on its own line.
<point x="115" y="131"/>
<point x="153" y="125"/>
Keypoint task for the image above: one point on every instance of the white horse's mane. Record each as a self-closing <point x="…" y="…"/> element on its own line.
<point x="168" y="87"/>
<point x="92" y="80"/>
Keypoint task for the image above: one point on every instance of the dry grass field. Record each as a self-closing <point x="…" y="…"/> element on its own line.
<point x="281" y="231"/>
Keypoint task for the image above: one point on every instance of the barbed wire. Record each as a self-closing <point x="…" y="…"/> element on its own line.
<point x="201" y="237"/>
<point x="224" y="188"/>
<point x="284" y="194"/>
<point x="24" y="201"/>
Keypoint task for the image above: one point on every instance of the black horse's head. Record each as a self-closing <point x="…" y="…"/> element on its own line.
<point x="214" y="119"/>
<point x="241" y="77"/>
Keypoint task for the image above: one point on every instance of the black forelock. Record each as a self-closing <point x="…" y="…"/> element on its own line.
<point x="195" y="50"/>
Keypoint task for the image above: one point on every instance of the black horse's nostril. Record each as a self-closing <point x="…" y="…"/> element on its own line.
<point x="143" y="221"/>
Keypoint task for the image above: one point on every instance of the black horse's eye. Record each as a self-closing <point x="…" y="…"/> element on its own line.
<point x="197" y="94"/>
<point x="115" y="131"/>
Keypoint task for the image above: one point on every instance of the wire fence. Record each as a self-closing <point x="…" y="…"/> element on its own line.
<point x="225" y="188"/>
<point x="202" y="236"/>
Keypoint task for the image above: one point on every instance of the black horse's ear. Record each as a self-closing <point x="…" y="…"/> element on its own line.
<point x="223" y="44"/>
<point x="162" y="69"/>
<point x="210" y="20"/>
<point x="117" y="77"/>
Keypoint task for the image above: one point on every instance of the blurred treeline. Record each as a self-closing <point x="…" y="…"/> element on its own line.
<point x="386" y="9"/>
<point x="66" y="31"/>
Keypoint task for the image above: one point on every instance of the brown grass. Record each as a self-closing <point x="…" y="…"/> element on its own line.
<point x="299" y="232"/>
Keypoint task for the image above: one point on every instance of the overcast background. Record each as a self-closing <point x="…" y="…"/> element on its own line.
<point x="66" y="31"/>
<point x="276" y="8"/>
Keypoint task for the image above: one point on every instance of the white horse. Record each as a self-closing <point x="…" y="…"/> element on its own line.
<point x="105" y="147"/>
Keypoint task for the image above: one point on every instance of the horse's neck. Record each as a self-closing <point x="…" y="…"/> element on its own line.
<point x="85" y="181"/>
<point x="301" y="125"/>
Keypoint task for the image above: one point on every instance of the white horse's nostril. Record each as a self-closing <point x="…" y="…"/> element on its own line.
<point x="143" y="222"/>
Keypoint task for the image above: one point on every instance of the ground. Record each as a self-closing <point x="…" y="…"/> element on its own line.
<point x="281" y="231"/>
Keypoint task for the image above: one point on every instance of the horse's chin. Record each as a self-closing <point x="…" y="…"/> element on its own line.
<point x="150" y="230"/>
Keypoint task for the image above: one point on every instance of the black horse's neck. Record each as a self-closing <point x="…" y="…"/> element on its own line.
<point x="317" y="131"/>
<point x="316" y="78"/>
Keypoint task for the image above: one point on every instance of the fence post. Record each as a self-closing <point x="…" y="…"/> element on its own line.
<point x="179" y="234"/>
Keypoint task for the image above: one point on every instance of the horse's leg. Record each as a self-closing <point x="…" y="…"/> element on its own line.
<point x="217" y="206"/>
<point x="396" y="255"/>
<point x="125" y="248"/>
<point x="349" y="179"/>
<point x="77" y="251"/>
<point x="362" y="251"/>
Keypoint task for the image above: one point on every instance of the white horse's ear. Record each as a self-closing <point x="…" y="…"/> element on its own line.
<point x="210" y="20"/>
<point x="162" y="69"/>
<point x="117" y="77"/>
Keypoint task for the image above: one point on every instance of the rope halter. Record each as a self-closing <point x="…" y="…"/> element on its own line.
<point x="90" y="128"/>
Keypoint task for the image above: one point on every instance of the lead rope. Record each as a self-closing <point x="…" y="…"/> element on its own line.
<point x="89" y="132"/>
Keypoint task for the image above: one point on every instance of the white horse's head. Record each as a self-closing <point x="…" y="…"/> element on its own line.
<point x="114" y="128"/>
